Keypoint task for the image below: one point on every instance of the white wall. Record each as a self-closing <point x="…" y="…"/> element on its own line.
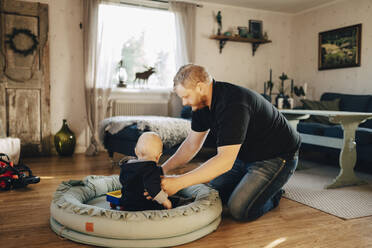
<point x="307" y="25"/>
<point x="66" y="68"/>
<point x="236" y="64"/>
<point x="293" y="50"/>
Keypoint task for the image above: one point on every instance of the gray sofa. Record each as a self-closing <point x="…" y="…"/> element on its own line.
<point x="348" y="102"/>
<point x="124" y="141"/>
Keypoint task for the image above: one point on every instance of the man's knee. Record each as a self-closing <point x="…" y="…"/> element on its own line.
<point x="245" y="211"/>
<point x="240" y="212"/>
<point x="237" y="208"/>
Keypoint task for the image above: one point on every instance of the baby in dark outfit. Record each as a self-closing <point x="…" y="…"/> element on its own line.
<point x="143" y="174"/>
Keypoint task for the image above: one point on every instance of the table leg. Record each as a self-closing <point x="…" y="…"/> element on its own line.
<point x="294" y="119"/>
<point x="293" y="123"/>
<point x="346" y="176"/>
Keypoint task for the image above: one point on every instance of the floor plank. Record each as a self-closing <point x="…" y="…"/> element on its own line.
<point x="24" y="215"/>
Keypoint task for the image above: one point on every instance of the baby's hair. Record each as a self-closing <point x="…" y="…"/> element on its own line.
<point x="149" y="142"/>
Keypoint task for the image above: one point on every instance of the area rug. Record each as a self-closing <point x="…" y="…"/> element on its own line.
<point x="306" y="186"/>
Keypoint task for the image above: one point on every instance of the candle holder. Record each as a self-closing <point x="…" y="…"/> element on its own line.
<point x="122" y="75"/>
<point x="281" y="94"/>
<point x="219" y="22"/>
<point x="268" y="86"/>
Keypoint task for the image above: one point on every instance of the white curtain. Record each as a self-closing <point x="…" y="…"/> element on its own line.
<point x="98" y="68"/>
<point x="185" y="31"/>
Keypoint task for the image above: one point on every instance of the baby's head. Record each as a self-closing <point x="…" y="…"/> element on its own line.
<point x="149" y="147"/>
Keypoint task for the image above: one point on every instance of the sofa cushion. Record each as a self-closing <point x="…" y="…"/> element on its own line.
<point x="130" y="133"/>
<point x="354" y="103"/>
<point x="364" y="153"/>
<point x="348" y="102"/>
<point x="114" y="144"/>
<point x="186" y="112"/>
<point x="311" y="128"/>
<point x="368" y="123"/>
<point x="363" y="136"/>
<point x="332" y="105"/>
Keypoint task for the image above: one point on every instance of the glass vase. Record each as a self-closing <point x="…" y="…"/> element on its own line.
<point x="65" y="140"/>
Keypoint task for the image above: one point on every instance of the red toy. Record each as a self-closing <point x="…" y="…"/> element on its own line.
<point x="15" y="176"/>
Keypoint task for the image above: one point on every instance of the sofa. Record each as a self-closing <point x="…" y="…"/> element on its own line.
<point x="124" y="141"/>
<point x="346" y="102"/>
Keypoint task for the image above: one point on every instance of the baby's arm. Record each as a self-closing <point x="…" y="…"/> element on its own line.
<point x="151" y="180"/>
<point x="167" y="204"/>
<point x="162" y="198"/>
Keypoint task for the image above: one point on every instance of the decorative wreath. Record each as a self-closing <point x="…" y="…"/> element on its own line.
<point x="26" y="32"/>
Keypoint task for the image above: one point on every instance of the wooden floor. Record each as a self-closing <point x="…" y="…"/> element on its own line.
<point x="24" y="216"/>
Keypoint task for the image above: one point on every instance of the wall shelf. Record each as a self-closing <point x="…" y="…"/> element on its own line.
<point x="223" y="39"/>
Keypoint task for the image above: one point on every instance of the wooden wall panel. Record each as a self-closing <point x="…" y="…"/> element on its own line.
<point x="24" y="114"/>
<point x="20" y="67"/>
<point x="2" y="111"/>
<point x="25" y="80"/>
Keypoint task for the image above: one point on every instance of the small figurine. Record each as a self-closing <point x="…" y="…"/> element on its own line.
<point x="299" y="91"/>
<point x="219" y="21"/>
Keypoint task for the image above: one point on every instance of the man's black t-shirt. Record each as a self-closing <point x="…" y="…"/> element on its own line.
<point x="242" y="116"/>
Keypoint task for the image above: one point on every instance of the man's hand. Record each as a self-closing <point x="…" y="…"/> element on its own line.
<point x="171" y="184"/>
<point x="214" y="167"/>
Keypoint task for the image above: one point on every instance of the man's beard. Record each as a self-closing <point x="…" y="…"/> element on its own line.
<point x="203" y="103"/>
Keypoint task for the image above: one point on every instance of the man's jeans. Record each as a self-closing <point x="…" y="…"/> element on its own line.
<point x="252" y="189"/>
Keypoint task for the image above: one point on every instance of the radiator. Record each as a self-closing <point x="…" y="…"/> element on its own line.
<point x="139" y="108"/>
<point x="139" y="102"/>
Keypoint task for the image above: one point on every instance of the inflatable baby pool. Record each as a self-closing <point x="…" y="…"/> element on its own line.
<point x="79" y="212"/>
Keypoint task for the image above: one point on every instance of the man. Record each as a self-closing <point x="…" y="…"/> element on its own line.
<point x="256" y="146"/>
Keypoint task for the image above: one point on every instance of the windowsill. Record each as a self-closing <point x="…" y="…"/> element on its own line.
<point x="137" y="90"/>
<point x="140" y="94"/>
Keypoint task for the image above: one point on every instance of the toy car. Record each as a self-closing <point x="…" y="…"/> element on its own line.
<point x="113" y="198"/>
<point x="15" y="176"/>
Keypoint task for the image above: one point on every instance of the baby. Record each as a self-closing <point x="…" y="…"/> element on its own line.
<point x="143" y="174"/>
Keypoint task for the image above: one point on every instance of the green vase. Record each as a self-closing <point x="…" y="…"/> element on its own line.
<point x="65" y="140"/>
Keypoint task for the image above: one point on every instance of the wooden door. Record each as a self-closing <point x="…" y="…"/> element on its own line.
<point x="24" y="75"/>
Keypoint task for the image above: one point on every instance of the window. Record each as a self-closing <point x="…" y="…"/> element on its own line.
<point x="143" y="38"/>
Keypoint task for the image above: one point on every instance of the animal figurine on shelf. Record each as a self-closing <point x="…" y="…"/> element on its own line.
<point x="142" y="77"/>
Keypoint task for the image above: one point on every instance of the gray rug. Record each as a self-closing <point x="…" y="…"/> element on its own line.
<point x="306" y="186"/>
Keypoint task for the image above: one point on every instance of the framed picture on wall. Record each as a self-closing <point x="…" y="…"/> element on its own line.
<point x="340" y="48"/>
<point x="255" y="28"/>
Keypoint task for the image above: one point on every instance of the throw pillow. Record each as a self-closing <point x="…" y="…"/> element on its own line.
<point x="333" y="105"/>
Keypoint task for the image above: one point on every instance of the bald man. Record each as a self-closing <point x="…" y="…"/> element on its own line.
<point x="143" y="174"/>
